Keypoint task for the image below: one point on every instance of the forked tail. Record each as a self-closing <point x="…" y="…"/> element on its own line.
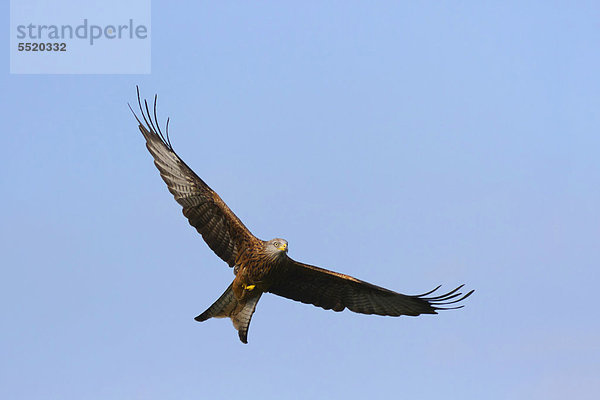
<point x="228" y="306"/>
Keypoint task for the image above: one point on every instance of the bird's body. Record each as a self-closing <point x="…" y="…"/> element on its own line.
<point x="264" y="266"/>
<point x="254" y="270"/>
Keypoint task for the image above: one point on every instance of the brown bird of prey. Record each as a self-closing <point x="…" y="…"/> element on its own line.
<point x="264" y="266"/>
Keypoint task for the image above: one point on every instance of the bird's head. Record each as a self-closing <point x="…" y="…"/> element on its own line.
<point x="276" y="247"/>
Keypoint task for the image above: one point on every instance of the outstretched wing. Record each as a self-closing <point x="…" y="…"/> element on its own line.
<point x="221" y="229"/>
<point x="333" y="291"/>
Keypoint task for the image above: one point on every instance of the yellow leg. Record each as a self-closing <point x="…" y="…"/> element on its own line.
<point x="248" y="287"/>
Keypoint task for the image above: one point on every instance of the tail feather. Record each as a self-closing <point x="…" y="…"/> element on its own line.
<point x="241" y="320"/>
<point x="239" y="312"/>
<point x="221" y="308"/>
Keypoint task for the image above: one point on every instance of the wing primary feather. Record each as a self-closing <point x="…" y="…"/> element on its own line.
<point x="141" y="108"/>
<point x="455" y="297"/>
<point x="164" y="138"/>
<point x="443" y="302"/>
<point x="428" y="293"/>
<point x="139" y="103"/>
<point x="448" y="296"/>
<point x="156" y="117"/>
<point x="167" y="130"/>
<point x="150" y="118"/>
<point x="447" y="308"/>
<point x="134" y="114"/>
<point x="443" y="296"/>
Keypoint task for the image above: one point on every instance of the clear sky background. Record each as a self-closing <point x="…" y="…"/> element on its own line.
<point x="409" y="144"/>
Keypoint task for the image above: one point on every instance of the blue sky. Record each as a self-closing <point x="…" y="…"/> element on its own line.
<point x="407" y="144"/>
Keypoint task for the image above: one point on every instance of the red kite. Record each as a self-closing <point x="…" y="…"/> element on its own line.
<point x="264" y="266"/>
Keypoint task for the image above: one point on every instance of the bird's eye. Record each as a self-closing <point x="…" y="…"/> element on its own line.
<point x="276" y="244"/>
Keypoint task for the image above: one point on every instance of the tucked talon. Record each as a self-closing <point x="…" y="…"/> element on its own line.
<point x="248" y="287"/>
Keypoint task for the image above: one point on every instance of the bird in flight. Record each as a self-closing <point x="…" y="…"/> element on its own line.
<point x="264" y="266"/>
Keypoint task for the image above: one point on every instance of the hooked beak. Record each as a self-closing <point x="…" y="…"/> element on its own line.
<point x="283" y="247"/>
